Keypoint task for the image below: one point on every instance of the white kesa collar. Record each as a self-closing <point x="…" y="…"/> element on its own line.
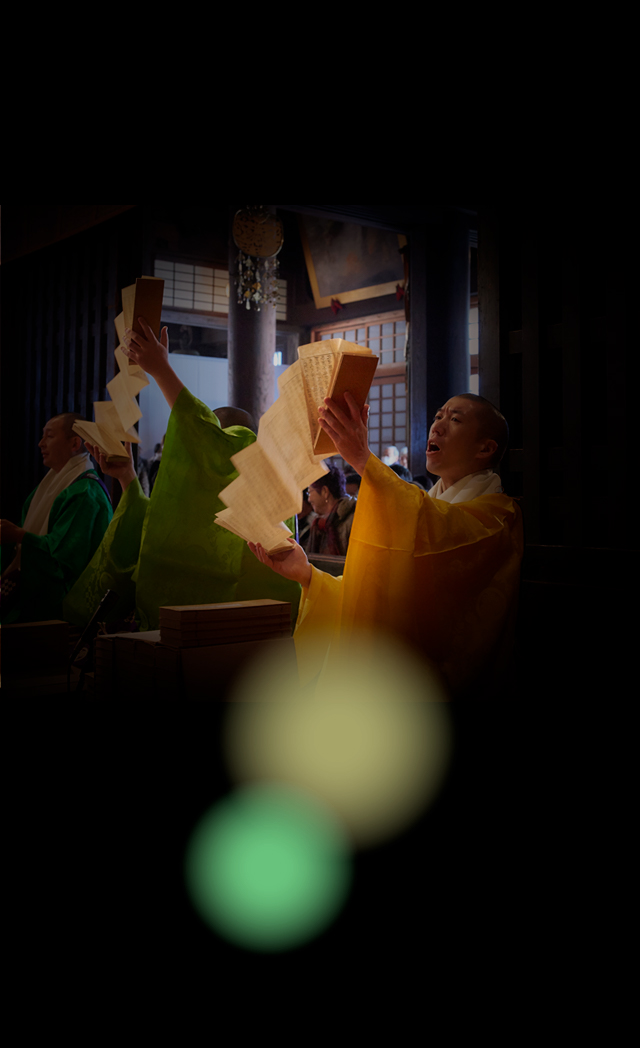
<point x="485" y="482"/>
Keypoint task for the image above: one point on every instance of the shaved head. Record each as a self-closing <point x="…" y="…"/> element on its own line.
<point x="67" y="419"/>
<point x="491" y="424"/>
<point x="235" y="417"/>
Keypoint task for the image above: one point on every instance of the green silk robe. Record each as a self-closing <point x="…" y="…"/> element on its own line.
<point x="50" y="564"/>
<point x="166" y="549"/>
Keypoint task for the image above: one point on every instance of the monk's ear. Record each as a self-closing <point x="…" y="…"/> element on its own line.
<point x="76" y="444"/>
<point x="488" y="449"/>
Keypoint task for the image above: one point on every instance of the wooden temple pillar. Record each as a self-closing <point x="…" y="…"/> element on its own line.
<point x="439" y="304"/>
<point x="251" y="345"/>
<point x="447" y="298"/>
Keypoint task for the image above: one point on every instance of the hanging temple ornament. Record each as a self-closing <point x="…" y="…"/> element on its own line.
<point x="258" y="236"/>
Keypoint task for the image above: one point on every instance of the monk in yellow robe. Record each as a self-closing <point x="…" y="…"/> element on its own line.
<point x="439" y="569"/>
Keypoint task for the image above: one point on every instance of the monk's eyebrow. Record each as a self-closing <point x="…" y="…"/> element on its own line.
<point x="452" y="411"/>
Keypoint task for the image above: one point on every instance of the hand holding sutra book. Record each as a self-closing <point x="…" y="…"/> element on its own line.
<point x="331" y="371"/>
<point x="115" y="419"/>
<point x="275" y="470"/>
<point x="291" y="563"/>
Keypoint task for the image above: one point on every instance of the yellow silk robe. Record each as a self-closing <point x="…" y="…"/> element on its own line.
<point x="442" y="576"/>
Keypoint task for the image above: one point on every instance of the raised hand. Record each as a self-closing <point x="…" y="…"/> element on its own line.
<point x="146" y="350"/>
<point x="291" y="564"/>
<point x="348" y="432"/>
<point x="122" y="471"/>
<point x="152" y="354"/>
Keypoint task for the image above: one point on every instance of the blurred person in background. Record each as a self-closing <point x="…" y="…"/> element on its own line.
<point x="334" y="511"/>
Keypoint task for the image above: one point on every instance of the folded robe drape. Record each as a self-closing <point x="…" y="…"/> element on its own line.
<point x="166" y="549"/>
<point x="441" y="576"/>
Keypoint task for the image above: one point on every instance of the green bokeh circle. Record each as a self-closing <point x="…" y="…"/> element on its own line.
<point x="268" y="868"/>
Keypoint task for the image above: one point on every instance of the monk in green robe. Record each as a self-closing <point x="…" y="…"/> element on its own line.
<point x="166" y="549"/>
<point x="61" y="525"/>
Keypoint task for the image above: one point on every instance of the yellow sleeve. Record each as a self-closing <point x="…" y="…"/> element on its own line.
<point x="318" y="619"/>
<point x="442" y="576"/>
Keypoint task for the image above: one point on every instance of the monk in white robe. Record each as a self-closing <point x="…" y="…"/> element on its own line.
<point x="439" y="569"/>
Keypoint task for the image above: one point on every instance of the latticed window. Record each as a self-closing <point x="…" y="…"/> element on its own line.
<point x="204" y="289"/>
<point x="385" y="335"/>
<point x="388" y="414"/>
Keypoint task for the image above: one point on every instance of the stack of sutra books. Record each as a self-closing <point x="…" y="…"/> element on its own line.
<point x="206" y="625"/>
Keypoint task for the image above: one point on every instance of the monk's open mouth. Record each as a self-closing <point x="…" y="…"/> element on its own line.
<point x="431" y="446"/>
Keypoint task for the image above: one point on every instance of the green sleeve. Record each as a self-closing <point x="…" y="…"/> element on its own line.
<point x="185" y="557"/>
<point x="113" y="564"/>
